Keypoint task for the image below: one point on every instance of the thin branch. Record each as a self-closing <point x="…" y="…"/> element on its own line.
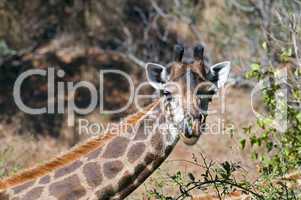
<point x="141" y="14"/>
<point x="210" y="182"/>
<point x="177" y="3"/>
<point x="158" y="9"/>
<point x="294" y="38"/>
<point x="136" y="60"/>
<point x="298" y="2"/>
<point x="242" y="7"/>
<point x="211" y="177"/>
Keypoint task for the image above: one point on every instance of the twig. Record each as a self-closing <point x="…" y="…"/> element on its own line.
<point x="158" y="9"/>
<point x="136" y="60"/>
<point x="211" y="177"/>
<point x="294" y="38"/>
<point x="298" y="2"/>
<point x="141" y="14"/>
<point x="199" y="184"/>
<point x="177" y="3"/>
<point x="242" y="7"/>
<point x="129" y="54"/>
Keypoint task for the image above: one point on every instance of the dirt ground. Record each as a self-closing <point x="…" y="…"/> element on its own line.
<point x="20" y="151"/>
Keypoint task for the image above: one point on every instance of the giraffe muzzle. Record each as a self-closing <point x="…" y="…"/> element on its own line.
<point x="191" y="131"/>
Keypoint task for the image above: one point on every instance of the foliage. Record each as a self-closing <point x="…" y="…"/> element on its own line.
<point x="218" y="177"/>
<point x="280" y="150"/>
<point x="277" y="144"/>
<point x="221" y="178"/>
<point x="276" y="148"/>
<point x="283" y="150"/>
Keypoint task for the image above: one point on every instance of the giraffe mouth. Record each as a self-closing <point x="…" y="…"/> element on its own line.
<point x="192" y="130"/>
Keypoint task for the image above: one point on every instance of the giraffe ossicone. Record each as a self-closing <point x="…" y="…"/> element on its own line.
<point x="113" y="166"/>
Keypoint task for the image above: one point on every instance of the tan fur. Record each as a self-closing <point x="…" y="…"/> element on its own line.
<point x="179" y="69"/>
<point x="70" y="156"/>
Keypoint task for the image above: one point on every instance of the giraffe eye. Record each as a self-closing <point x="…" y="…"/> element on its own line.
<point x="167" y="94"/>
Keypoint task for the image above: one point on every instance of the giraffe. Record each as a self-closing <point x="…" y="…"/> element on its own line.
<point x="114" y="165"/>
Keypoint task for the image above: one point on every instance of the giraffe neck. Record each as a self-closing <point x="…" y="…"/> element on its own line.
<point x="110" y="171"/>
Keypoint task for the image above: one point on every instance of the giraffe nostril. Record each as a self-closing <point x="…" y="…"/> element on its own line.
<point x="169" y="98"/>
<point x="179" y="51"/>
<point x="198" y="52"/>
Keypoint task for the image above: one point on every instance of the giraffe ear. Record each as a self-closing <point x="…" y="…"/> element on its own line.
<point x="218" y="73"/>
<point x="156" y="75"/>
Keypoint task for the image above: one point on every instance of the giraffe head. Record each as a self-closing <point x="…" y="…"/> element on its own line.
<point x="187" y="87"/>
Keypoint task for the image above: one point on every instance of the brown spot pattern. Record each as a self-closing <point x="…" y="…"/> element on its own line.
<point x="127" y="190"/>
<point x="144" y="174"/>
<point x="111" y="169"/>
<point x="157" y="162"/>
<point x="44" y="179"/>
<point x="149" y="158"/>
<point x="135" y="152"/>
<point x="116" y="148"/>
<point x="22" y="187"/>
<point x="33" y="194"/>
<point x="69" y="188"/>
<point x="126" y="180"/>
<point x="141" y="134"/>
<point x="138" y="169"/>
<point x="92" y="172"/>
<point x="68" y="169"/>
<point x="105" y="193"/>
<point x="157" y="142"/>
<point x="4" y="196"/>
<point x="94" y="154"/>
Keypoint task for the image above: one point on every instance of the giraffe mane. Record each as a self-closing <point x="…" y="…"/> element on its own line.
<point x="72" y="155"/>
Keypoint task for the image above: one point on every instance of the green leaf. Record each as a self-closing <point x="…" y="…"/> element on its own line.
<point x="255" y="140"/>
<point x="264" y="122"/>
<point x="247" y="130"/>
<point x="286" y="54"/>
<point x="298" y="117"/>
<point x="255" y="67"/>
<point x="254" y="155"/>
<point x="242" y="144"/>
<point x="269" y="146"/>
<point x="265" y="45"/>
